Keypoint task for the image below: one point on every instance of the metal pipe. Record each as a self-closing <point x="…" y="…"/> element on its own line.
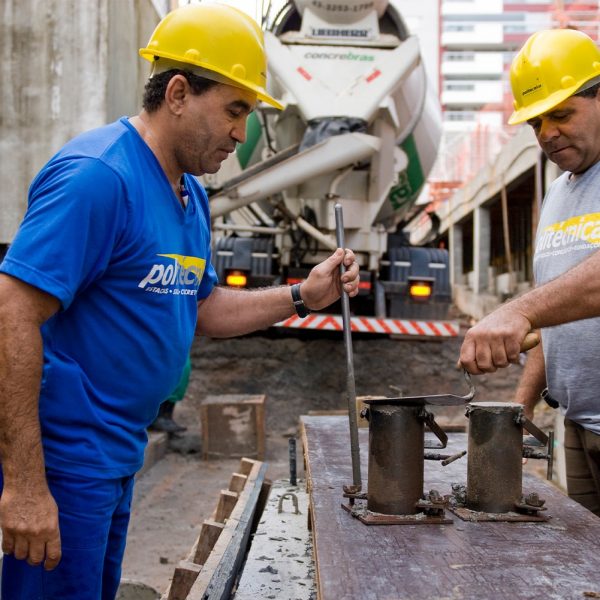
<point x="494" y="465"/>
<point x="337" y="180"/>
<point x="350" y="383"/>
<point x="325" y="240"/>
<point x="451" y="459"/>
<point x="337" y="152"/>
<point x="248" y="228"/>
<point x="292" y="458"/>
<point x="315" y="233"/>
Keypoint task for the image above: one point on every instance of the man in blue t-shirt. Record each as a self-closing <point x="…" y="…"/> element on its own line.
<point x="101" y="292"/>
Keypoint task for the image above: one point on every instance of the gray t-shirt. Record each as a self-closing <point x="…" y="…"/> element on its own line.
<point x="568" y="232"/>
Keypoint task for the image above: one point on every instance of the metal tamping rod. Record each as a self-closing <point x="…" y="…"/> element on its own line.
<point x="292" y="457"/>
<point x="350" y="384"/>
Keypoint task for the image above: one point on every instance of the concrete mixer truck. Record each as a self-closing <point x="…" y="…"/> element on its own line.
<point x="360" y="127"/>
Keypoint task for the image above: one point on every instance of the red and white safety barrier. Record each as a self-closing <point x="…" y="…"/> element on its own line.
<point x="325" y="322"/>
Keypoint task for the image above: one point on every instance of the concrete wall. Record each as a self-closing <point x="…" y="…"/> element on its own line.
<point x="475" y="293"/>
<point x="65" y="66"/>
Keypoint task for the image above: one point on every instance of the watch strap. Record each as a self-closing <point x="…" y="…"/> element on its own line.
<point x="301" y="309"/>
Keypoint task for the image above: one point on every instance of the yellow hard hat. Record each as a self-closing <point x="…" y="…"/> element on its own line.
<point x="551" y="66"/>
<point x="217" y="38"/>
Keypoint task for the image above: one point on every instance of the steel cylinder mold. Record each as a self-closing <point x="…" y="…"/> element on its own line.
<point x="495" y="447"/>
<point x="396" y="467"/>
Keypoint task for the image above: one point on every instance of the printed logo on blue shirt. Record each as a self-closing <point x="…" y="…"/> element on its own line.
<point x="178" y="275"/>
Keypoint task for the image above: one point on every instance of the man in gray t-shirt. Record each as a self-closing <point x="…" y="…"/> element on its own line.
<point x="555" y="81"/>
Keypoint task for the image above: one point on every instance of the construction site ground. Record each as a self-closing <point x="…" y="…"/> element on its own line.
<point x="297" y="375"/>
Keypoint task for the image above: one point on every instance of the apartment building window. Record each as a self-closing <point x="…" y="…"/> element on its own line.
<point x="516" y="29"/>
<point x="460" y="56"/>
<point x="458" y="87"/>
<point x="460" y="115"/>
<point x="458" y="27"/>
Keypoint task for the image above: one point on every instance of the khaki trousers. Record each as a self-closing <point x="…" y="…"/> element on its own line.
<point x="582" y="457"/>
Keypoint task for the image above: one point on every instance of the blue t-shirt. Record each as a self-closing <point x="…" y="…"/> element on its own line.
<point x="105" y="234"/>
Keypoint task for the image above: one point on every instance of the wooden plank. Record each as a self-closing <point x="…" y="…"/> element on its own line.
<point x="260" y="429"/>
<point x="218" y="576"/>
<point x="233" y="425"/>
<point x="227" y="500"/>
<point x="263" y="497"/>
<point x="186" y="572"/>
<point x="309" y="487"/>
<point x="246" y="465"/>
<point x="209" y="534"/>
<point x="183" y="579"/>
<point x="552" y="560"/>
<point x="237" y="482"/>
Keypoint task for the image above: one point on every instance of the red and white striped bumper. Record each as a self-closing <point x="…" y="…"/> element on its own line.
<point x="373" y="325"/>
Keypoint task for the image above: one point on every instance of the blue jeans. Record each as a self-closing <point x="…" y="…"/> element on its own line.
<point x="93" y="520"/>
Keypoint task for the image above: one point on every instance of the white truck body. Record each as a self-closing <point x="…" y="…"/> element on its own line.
<point x="360" y="127"/>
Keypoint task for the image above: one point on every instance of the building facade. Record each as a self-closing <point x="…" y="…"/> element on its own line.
<point x="478" y="41"/>
<point x="489" y="179"/>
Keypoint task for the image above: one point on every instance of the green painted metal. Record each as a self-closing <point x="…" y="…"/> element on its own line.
<point x="411" y="180"/>
<point x="253" y="134"/>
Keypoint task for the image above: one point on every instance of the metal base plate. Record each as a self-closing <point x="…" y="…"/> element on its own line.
<point x="466" y="514"/>
<point x="370" y="518"/>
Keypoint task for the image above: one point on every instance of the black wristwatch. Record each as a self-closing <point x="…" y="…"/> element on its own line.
<point x="548" y="399"/>
<point x="301" y="309"/>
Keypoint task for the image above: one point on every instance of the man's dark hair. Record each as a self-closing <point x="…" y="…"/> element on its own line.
<point x="154" y="92"/>
<point x="591" y="92"/>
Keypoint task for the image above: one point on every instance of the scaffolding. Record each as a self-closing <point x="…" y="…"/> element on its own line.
<point x="462" y="156"/>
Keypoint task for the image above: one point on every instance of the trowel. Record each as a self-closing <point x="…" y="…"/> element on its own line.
<point x="531" y="340"/>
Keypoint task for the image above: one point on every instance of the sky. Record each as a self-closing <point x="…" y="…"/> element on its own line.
<point x="252" y="7"/>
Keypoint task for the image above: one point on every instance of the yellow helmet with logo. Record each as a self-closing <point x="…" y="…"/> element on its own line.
<point x="219" y="40"/>
<point x="551" y="66"/>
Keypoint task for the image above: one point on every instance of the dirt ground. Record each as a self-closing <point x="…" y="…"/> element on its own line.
<point x="298" y="375"/>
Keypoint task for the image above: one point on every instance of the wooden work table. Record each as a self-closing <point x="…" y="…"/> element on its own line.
<point x="558" y="559"/>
